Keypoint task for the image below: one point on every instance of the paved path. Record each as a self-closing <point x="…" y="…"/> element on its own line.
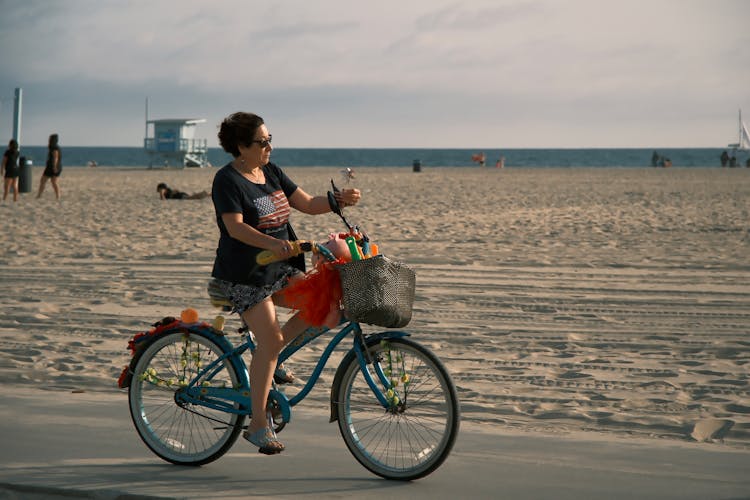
<point x="85" y="447"/>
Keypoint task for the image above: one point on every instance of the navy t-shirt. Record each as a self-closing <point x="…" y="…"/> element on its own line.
<point x="264" y="207"/>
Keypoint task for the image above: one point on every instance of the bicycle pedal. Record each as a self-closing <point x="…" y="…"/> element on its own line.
<point x="274" y="415"/>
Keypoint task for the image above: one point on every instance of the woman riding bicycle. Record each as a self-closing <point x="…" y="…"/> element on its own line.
<point x="252" y="198"/>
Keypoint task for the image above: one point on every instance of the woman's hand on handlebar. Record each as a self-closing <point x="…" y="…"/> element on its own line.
<point x="283" y="248"/>
<point x="347" y="197"/>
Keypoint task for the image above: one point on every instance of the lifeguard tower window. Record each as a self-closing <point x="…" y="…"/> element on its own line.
<point x="172" y="142"/>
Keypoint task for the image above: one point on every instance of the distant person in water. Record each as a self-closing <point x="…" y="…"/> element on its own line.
<point x="167" y="193"/>
<point x="480" y="158"/>
<point x="655" y="159"/>
<point x="724" y="158"/>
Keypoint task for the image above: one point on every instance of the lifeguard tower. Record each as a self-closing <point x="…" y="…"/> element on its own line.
<point x="171" y="141"/>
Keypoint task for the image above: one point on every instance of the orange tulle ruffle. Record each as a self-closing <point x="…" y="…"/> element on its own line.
<point x="317" y="296"/>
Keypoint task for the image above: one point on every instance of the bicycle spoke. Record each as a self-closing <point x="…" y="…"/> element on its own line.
<point x="184" y="432"/>
<point x="415" y="434"/>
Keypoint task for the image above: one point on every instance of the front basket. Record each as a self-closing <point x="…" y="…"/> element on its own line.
<point x="378" y="291"/>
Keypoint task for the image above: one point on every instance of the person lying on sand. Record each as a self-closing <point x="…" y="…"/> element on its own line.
<point x="167" y="193"/>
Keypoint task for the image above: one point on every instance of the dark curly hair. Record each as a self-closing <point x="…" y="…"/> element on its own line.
<point x="238" y="129"/>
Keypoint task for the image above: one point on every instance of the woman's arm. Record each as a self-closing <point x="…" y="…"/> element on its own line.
<point x="251" y="236"/>
<point x="314" y="205"/>
<point x="56" y="159"/>
<point x="305" y="203"/>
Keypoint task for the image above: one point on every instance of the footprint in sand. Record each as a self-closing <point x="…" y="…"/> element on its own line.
<point x="735" y="408"/>
<point x="573" y="375"/>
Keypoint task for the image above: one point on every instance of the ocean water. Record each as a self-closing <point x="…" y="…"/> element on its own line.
<point x="343" y="157"/>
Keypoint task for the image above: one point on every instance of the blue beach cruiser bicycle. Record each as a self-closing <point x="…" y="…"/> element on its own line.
<point x="394" y="401"/>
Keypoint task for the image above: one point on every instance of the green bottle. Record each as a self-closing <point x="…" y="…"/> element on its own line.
<point x="352" y="244"/>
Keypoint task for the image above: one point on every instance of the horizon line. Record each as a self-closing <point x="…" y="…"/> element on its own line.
<point x="474" y="148"/>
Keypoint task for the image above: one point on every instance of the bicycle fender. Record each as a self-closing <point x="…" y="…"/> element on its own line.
<point x="372" y="339"/>
<point x="226" y="346"/>
<point x="202" y="329"/>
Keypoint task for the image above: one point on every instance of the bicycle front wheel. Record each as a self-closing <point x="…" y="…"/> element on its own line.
<point x="414" y="436"/>
<point x="184" y="433"/>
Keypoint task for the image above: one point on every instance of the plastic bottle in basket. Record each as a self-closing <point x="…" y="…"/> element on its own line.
<point x="353" y="249"/>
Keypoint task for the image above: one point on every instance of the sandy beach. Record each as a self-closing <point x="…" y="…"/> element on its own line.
<point x="613" y="303"/>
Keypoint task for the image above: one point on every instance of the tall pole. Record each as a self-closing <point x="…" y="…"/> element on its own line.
<point x="17" y="116"/>
<point x="24" y="178"/>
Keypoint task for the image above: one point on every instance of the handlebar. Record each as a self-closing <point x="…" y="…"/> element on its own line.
<point x="300" y="246"/>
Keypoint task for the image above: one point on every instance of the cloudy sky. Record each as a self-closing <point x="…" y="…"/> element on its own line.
<point x="408" y="73"/>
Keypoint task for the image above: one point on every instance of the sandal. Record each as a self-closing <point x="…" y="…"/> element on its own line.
<point x="283" y="375"/>
<point x="266" y="441"/>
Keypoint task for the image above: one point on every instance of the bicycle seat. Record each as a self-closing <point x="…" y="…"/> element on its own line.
<point x="218" y="299"/>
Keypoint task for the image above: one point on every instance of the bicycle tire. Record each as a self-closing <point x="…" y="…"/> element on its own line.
<point x="406" y="442"/>
<point x="181" y="434"/>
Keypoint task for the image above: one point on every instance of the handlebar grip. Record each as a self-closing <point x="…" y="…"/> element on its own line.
<point x="268" y="257"/>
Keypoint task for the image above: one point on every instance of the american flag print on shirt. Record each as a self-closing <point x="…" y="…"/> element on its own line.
<point x="273" y="210"/>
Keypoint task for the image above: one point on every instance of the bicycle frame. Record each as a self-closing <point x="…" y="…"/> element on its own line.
<point x="237" y="400"/>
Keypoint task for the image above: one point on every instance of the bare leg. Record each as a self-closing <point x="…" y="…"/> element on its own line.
<point x="56" y="187"/>
<point x="15" y="189"/>
<point x="6" y="187"/>
<point x="270" y="341"/>
<point x="294" y="325"/>
<point x="42" y="183"/>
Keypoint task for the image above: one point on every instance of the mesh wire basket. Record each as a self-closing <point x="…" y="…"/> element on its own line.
<point x="378" y="291"/>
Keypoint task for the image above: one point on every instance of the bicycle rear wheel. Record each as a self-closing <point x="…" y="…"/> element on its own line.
<point x="185" y="434"/>
<point x="414" y="436"/>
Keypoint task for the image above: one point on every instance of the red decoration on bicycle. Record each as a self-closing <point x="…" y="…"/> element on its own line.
<point x="317" y="296"/>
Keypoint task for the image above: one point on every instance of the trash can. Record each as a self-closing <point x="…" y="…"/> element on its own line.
<point x="24" y="175"/>
<point x="416" y="166"/>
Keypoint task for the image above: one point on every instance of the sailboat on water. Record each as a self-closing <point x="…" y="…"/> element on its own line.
<point x="741" y="149"/>
<point x="744" y="138"/>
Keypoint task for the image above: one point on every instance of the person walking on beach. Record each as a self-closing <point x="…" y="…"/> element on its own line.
<point x="10" y="170"/>
<point x="167" y="193"/>
<point x="53" y="167"/>
<point x="253" y="199"/>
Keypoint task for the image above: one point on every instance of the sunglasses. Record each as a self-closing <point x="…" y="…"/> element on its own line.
<point x="264" y="143"/>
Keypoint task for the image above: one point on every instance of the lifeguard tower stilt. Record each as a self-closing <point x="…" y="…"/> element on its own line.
<point x="172" y="141"/>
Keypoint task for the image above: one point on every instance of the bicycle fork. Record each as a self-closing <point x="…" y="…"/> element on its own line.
<point x="388" y="398"/>
<point x="380" y="384"/>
